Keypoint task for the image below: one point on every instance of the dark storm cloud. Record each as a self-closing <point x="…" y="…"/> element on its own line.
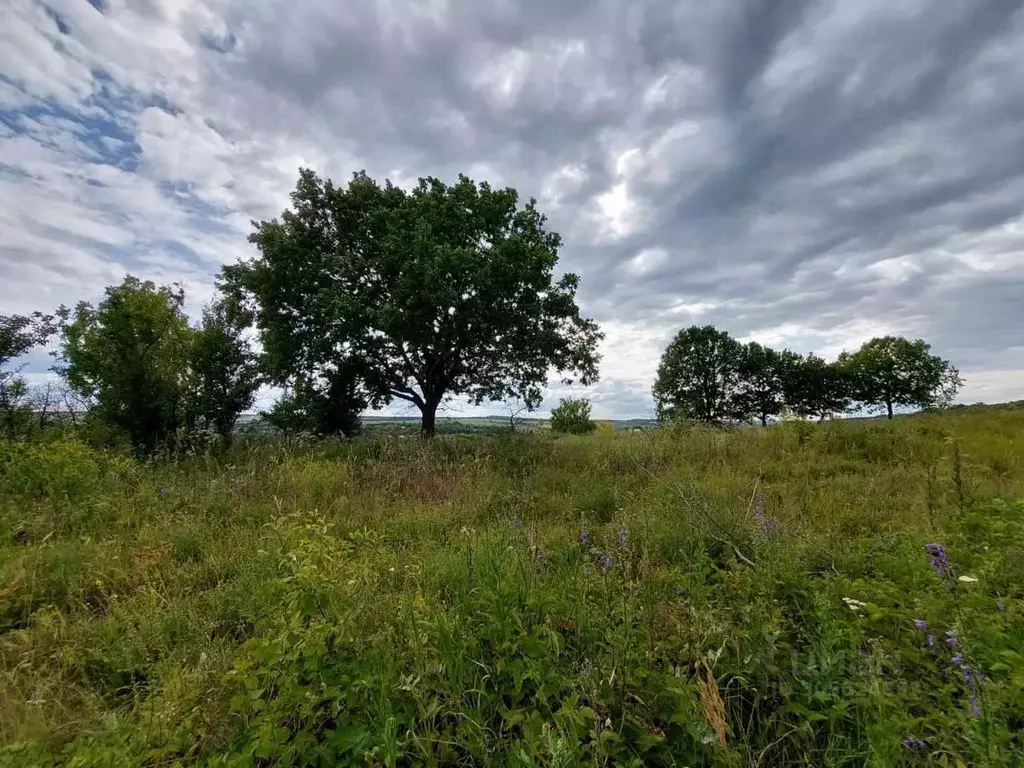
<point x="828" y="137"/>
<point x="806" y="171"/>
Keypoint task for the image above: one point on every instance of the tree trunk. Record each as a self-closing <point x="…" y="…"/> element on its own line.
<point x="888" y="408"/>
<point x="427" y="424"/>
<point x="764" y="420"/>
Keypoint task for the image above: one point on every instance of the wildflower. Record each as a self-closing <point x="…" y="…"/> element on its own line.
<point x="163" y="491"/>
<point x="606" y="561"/>
<point x="952" y="638"/>
<point x="930" y="641"/>
<point x="765" y="523"/>
<point x="539" y="555"/>
<point x="958" y="660"/>
<point x="915" y="745"/>
<point x="967" y="579"/>
<point x="516" y="524"/>
<point x="975" y="705"/>
<point x="854" y="605"/>
<point x="584" y="538"/>
<point x="622" y="537"/>
<point x="940" y="562"/>
<point x="1000" y="606"/>
<point x="921" y="625"/>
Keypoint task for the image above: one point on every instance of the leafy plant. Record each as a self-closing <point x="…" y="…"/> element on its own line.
<point x="572" y="416"/>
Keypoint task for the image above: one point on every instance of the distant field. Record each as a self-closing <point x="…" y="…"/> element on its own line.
<point x="691" y="597"/>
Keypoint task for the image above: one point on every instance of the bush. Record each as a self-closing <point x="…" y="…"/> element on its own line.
<point x="66" y="467"/>
<point x="572" y="417"/>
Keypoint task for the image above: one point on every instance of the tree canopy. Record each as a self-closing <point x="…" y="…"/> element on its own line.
<point x="440" y="291"/>
<point x="764" y="373"/>
<point x="18" y="335"/>
<point x="815" y="387"/>
<point x="130" y="356"/>
<point x="225" y="373"/>
<point x="147" y="373"/>
<point x="892" y="371"/>
<point x="699" y="377"/>
<point x="572" y="417"/>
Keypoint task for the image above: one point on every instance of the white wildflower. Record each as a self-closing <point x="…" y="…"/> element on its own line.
<point x="967" y="579"/>
<point x="854" y="605"/>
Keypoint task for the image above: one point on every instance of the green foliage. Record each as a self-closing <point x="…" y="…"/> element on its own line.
<point x="818" y="388"/>
<point x="331" y="407"/>
<point x="224" y="371"/>
<point x="572" y="417"/>
<point x="130" y="355"/>
<point x="18" y="335"/>
<point x="699" y="377"/>
<point x="61" y="468"/>
<point x="891" y="371"/>
<point x="444" y="290"/>
<point x="682" y="597"/>
<point x="764" y="374"/>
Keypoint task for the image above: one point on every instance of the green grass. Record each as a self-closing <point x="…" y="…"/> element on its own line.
<point x="387" y="602"/>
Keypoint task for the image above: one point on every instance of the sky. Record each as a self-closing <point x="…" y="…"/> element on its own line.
<point x="805" y="174"/>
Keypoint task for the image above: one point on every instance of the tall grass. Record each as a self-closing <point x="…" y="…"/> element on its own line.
<point x="688" y="597"/>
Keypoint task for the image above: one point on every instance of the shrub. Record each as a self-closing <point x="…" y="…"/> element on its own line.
<point x="66" y="467"/>
<point x="572" y="417"/>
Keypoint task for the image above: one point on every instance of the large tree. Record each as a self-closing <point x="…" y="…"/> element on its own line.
<point x="815" y="387"/>
<point x="763" y="375"/>
<point x="891" y="371"/>
<point x="699" y="377"/>
<point x="441" y="291"/>
<point x="130" y="355"/>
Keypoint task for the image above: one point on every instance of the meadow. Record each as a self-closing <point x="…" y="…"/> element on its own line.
<point x="845" y="593"/>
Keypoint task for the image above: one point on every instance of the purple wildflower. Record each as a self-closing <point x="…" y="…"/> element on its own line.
<point x="163" y="491"/>
<point x="584" y="538"/>
<point x="915" y="745"/>
<point x="930" y="641"/>
<point x="1000" y="606"/>
<point x="516" y="524"/>
<point x="970" y="677"/>
<point x="940" y="563"/>
<point x="921" y="625"/>
<point x="952" y="638"/>
<point x="958" y="660"/>
<point x="975" y="705"/>
<point x="623" y="535"/>
<point x="765" y="523"/>
<point x="606" y="561"/>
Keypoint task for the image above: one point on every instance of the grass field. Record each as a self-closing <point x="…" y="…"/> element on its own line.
<point x="688" y="597"/>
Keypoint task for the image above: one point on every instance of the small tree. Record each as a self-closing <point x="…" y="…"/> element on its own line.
<point x="331" y="406"/>
<point x="225" y="375"/>
<point x="131" y="356"/>
<point x="699" y="377"/>
<point x="763" y="375"/>
<point x="892" y="371"/>
<point x="19" y="334"/>
<point x="572" y="417"/>
<point x="441" y="291"/>
<point x="814" y="387"/>
<point x="515" y="406"/>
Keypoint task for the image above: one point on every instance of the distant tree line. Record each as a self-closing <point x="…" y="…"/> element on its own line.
<point x="367" y="294"/>
<point x="708" y="376"/>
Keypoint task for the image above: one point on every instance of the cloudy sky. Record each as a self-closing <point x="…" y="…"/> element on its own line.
<point x="807" y="174"/>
